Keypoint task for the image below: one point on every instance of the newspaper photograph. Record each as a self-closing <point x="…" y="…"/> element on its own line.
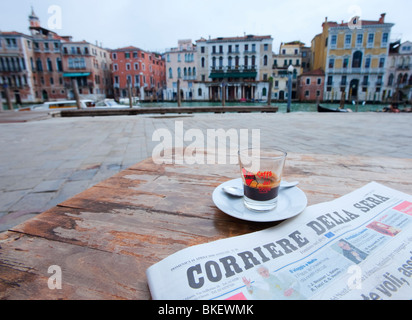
<point x="356" y="247"/>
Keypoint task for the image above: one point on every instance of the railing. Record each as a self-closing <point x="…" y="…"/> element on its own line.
<point x="252" y="68"/>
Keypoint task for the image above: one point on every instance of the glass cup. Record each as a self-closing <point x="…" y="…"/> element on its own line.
<point x="261" y="171"/>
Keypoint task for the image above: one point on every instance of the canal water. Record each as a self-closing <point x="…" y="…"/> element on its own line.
<point x="295" y="107"/>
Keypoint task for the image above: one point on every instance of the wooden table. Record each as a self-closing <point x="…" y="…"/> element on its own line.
<point x="105" y="238"/>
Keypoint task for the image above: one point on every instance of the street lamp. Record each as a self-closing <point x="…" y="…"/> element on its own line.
<point x="290" y="72"/>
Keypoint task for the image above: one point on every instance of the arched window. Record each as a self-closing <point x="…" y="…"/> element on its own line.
<point x="170" y="73"/>
<point x="253" y="61"/>
<point x="237" y="62"/>
<point x="357" y="59"/>
<point x="390" y="80"/>
<point x="214" y="62"/>
<point x="179" y="73"/>
<point x="265" y="60"/>
<point x="189" y="72"/>
<point x="199" y="92"/>
<point x="194" y="71"/>
<point x="229" y="62"/>
<point x="203" y="62"/>
<point x="185" y="71"/>
<point x="246" y="61"/>
<point x="264" y="90"/>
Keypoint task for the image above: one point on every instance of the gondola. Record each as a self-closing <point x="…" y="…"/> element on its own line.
<point x="323" y="109"/>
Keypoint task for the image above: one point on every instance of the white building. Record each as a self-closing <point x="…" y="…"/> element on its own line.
<point x="399" y="72"/>
<point x="181" y="65"/>
<point x="241" y="66"/>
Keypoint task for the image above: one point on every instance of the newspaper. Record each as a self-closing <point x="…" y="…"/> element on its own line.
<point x="356" y="247"/>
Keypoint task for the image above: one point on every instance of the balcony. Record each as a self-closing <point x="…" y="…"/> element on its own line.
<point x="233" y="72"/>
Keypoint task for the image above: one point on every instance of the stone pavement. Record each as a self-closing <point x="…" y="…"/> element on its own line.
<point x="45" y="160"/>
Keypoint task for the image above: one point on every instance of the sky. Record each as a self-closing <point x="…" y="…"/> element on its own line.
<point x="157" y="25"/>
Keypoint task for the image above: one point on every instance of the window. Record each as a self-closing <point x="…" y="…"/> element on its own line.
<point x="203" y="62"/>
<point x="127" y="55"/>
<point x="343" y="81"/>
<point x="359" y="39"/>
<point x="49" y="65"/>
<point x="331" y="63"/>
<point x="202" y="49"/>
<point x="381" y="62"/>
<point x="330" y="80"/>
<point x="319" y="81"/>
<point x="253" y="47"/>
<point x="348" y="40"/>
<point x="367" y="63"/>
<point x="265" y="60"/>
<point x="345" y="62"/>
<point x="357" y="59"/>
<point x="135" y="54"/>
<point x="128" y="66"/>
<point x="59" y="65"/>
<point x="385" y="39"/>
<point x="390" y="80"/>
<point x="114" y="56"/>
<point x="170" y="73"/>
<point x="308" y="81"/>
<point x="333" y="40"/>
<point x="371" y="39"/>
<point x="265" y="47"/>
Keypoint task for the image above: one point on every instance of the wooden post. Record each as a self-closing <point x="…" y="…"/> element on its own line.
<point x="8" y="99"/>
<point x="223" y="94"/>
<point x="1" y="102"/>
<point x="342" y="99"/>
<point x="76" y="93"/>
<point x="179" y="102"/>
<point x="270" y="90"/>
<point x="129" y="88"/>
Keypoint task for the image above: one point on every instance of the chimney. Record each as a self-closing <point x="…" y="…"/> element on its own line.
<point x="382" y="18"/>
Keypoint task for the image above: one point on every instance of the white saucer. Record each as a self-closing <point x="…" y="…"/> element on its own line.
<point x="291" y="202"/>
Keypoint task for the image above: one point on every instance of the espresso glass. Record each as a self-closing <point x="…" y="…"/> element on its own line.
<point x="261" y="171"/>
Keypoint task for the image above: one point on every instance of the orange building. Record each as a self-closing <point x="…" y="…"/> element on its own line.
<point x="143" y="70"/>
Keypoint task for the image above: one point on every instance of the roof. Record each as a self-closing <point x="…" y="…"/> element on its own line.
<point x="317" y="72"/>
<point x="129" y="48"/>
<point x="250" y="37"/>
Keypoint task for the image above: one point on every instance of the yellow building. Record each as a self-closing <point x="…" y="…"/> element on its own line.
<point x="353" y="56"/>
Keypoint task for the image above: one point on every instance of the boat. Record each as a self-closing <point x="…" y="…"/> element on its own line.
<point x="323" y="109"/>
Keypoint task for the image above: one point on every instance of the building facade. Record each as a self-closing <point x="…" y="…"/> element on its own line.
<point x="290" y="54"/>
<point x="40" y="66"/>
<point x="90" y="65"/>
<point x="398" y="78"/>
<point x="181" y="65"/>
<point x="310" y="86"/>
<point x="238" y="67"/>
<point x="144" y="71"/>
<point x="16" y="67"/>
<point x="353" y="58"/>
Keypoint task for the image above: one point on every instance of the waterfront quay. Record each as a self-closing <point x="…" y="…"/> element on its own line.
<point x="46" y="160"/>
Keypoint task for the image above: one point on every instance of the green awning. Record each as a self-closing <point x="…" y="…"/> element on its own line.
<point x="222" y="75"/>
<point x="75" y="75"/>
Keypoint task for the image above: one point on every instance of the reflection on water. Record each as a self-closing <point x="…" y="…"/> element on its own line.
<point x="295" y="107"/>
